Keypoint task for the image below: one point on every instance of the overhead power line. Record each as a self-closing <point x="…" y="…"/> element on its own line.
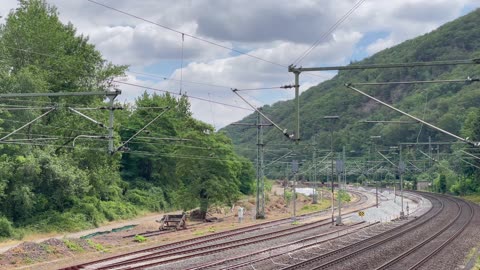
<point x="474" y="61"/>
<point x="174" y="93"/>
<point x="467" y="80"/>
<point x="176" y="80"/>
<point x="185" y="34"/>
<point x="267" y="88"/>
<point x="329" y="31"/>
<point x="196" y="37"/>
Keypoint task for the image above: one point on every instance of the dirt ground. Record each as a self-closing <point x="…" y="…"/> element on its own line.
<point x="64" y="250"/>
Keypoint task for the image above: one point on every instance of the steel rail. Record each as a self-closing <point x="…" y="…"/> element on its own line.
<point x="405" y="254"/>
<point x="453" y="237"/>
<point x="379" y="236"/>
<point x="208" y="238"/>
<point x="289" y="251"/>
<point x="174" y="252"/>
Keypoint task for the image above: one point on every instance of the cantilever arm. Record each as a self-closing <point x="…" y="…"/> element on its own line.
<point x="284" y="131"/>
<point x="27" y="124"/>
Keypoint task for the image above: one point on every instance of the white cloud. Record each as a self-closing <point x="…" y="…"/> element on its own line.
<point x="276" y="30"/>
<point x="380" y="44"/>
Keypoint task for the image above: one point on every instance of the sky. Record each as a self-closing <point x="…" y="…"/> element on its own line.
<point x="206" y="48"/>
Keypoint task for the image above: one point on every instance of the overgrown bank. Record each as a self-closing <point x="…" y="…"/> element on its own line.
<point x="57" y="175"/>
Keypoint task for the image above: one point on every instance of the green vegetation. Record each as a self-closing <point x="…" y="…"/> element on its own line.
<point x="474" y="198"/>
<point x="140" y="238"/>
<point x="73" y="246"/>
<point x="96" y="246"/>
<point x="321" y="205"/>
<point x="288" y="196"/>
<point x="453" y="107"/>
<point x="344" y="196"/>
<point x="49" y="185"/>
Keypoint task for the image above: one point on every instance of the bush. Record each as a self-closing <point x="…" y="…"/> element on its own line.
<point x="151" y="199"/>
<point x="139" y="238"/>
<point x="6" y="228"/>
<point x="117" y="210"/>
<point x="72" y="245"/>
<point x="288" y="196"/>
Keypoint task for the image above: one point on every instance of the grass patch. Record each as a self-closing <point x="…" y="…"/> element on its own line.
<point x="140" y="238"/>
<point x="97" y="246"/>
<point x="474" y="198"/>
<point x="295" y="223"/>
<point x="48" y="249"/>
<point x="73" y="246"/>
<point x="321" y="205"/>
<point x="198" y="233"/>
<point x="28" y="260"/>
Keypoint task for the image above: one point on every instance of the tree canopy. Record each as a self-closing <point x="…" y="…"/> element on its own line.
<point x="56" y="173"/>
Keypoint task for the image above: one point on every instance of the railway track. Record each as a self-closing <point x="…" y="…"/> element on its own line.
<point x="273" y="245"/>
<point x="421" y="253"/>
<point x="361" y="196"/>
<point x="425" y="236"/>
<point x="211" y="243"/>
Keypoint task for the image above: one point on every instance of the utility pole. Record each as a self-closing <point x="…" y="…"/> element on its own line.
<point x="295" y="197"/>
<point x="339" y="177"/>
<point x="315" y="193"/>
<point x="401" y="168"/>
<point x="430" y="151"/>
<point x="260" y="196"/>
<point x="297" y="99"/>
<point x="295" y="170"/>
<point x="344" y="170"/>
<point x="332" y="120"/>
<point x="260" y="176"/>
<point x="374" y="146"/>
<point x="111" y="98"/>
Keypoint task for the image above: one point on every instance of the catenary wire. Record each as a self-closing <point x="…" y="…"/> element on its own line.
<point x="173" y="93"/>
<point x="329" y="31"/>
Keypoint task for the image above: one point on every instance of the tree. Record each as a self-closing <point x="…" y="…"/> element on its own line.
<point x="210" y="170"/>
<point x="442" y="188"/>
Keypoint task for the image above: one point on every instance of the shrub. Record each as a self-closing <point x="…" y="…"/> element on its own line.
<point x="96" y="246"/>
<point x="288" y="196"/>
<point x="6" y="228"/>
<point x="117" y="210"/>
<point x="139" y="238"/>
<point x="72" y="245"/>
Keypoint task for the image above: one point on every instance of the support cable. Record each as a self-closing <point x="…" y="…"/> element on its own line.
<point x="469" y="154"/>
<point x="140" y="130"/>
<point x="181" y="65"/>
<point x="87" y="117"/>
<point x="27" y="124"/>
<point x="176" y="80"/>
<point x="471" y="164"/>
<point x="182" y="33"/>
<point x="284" y="131"/>
<point x="387" y="159"/>
<point x="329" y="31"/>
<point x="413" y="117"/>
<point x="467" y="80"/>
<point x="174" y="93"/>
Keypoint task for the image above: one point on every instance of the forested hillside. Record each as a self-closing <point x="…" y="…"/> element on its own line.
<point x="56" y="173"/>
<point x="451" y="106"/>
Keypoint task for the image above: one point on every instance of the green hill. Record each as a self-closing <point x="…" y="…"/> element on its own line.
<point x="443" y="104"/>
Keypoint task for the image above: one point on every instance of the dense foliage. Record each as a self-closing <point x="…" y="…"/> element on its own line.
<point x="56" y="173"/>
<point x="451" y="106"/>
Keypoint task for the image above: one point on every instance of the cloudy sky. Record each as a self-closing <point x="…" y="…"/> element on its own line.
<point x="278" y="32"/>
